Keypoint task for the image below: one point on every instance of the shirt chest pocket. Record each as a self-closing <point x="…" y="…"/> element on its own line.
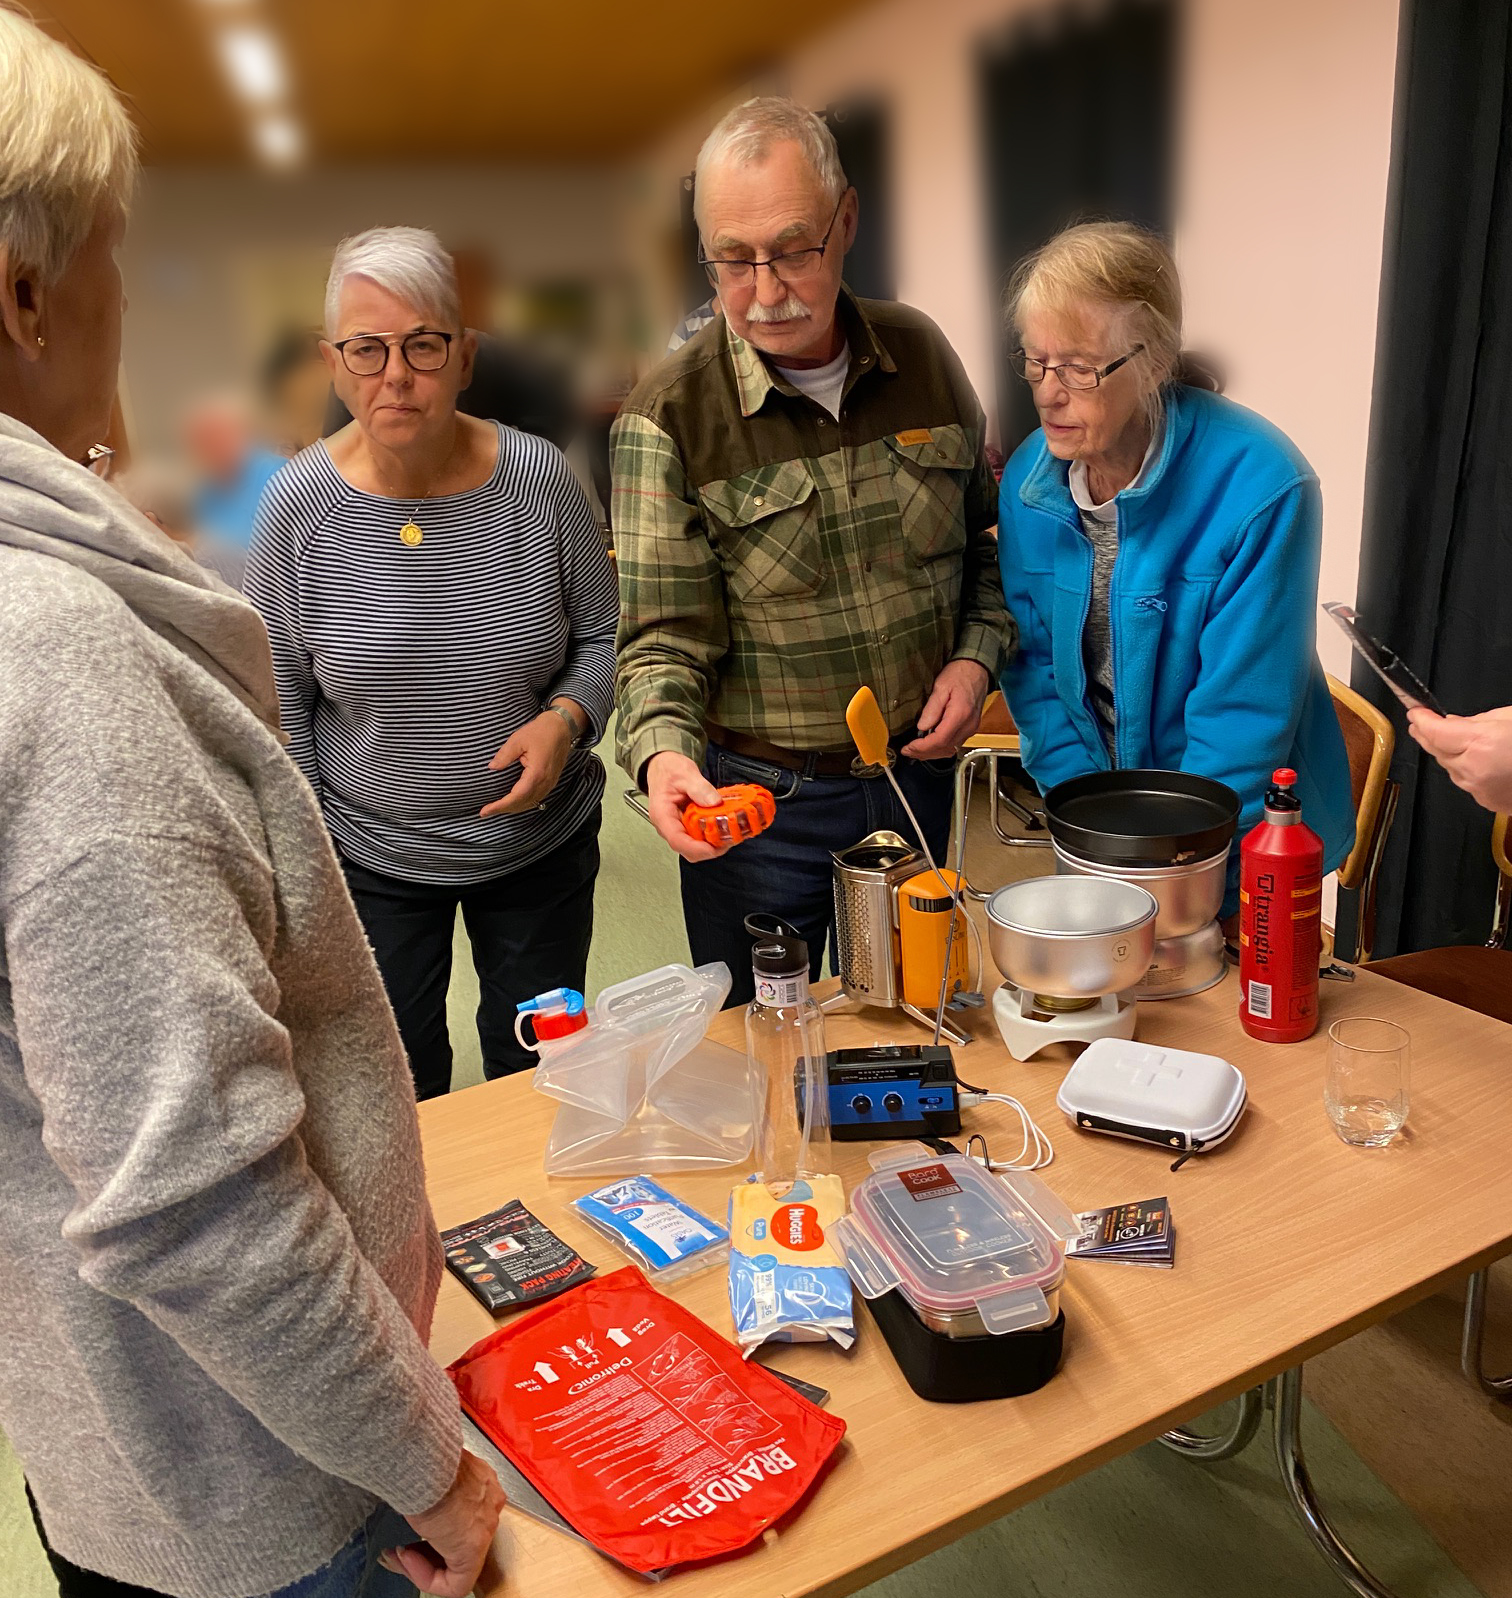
<point x="931" y="467"/>
<point x="764" y="526"/>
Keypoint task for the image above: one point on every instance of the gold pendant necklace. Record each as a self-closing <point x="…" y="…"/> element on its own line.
<point x="411" y="535"/>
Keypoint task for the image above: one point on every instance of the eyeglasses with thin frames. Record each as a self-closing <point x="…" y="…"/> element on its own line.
<point x="366" y="354"/>
<point x="790" y="266"/>
<point x="1073" y="374"/>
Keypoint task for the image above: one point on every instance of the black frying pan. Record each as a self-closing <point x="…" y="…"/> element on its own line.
<point x="1142" y="818"/>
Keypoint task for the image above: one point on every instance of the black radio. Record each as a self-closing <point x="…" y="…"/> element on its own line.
<point x="893" y="1090"/>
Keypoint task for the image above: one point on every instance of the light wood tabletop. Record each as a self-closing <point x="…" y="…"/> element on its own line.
<point x="1287" y="1242"/>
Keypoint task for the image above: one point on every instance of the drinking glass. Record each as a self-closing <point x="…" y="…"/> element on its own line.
<point x="1368" y="1085"/>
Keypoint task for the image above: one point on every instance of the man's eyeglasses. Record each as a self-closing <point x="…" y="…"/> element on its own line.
<point x="365" y="354"/>
<point x="789" y="267"/>
<point x="1071" y="373"/>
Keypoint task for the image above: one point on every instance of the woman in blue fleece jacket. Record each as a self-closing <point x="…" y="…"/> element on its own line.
<point x="1159" y="547"/>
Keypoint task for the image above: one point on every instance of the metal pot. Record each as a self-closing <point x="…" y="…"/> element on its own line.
<point x="1189" y="896"/>
<point x="1142" y="819"/>
<point x="1073" y="938"/>
<point x="1169" y="832"/>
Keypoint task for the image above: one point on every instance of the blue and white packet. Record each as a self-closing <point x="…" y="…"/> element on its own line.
<point x="665" y="1237"/>
<point x="787" y="1284"/>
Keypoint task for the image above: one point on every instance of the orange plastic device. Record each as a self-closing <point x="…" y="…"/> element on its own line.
<point x="741" y="813"/>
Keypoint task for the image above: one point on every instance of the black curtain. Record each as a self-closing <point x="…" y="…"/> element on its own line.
<point x="861" y="132"/>
<point x="1078" y="121"/>
<point x="1436" y="564"/>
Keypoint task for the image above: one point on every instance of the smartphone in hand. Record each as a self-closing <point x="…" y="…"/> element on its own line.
<point x="1389" y="666"/>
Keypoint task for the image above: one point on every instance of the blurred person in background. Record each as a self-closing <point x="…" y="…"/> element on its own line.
<point x="231" y="467"/>
<point x="296" y="389"/>
<point x="802" y="505"/>
<point x="1159" y="549"/>
<point x="442" y="613"/>
<point x="164" y="495"/>
<point x="694" y="322"/>
<point x="219" y="1261"/>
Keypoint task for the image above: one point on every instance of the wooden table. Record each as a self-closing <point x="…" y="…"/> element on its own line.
<point x="1288" y="1242"/>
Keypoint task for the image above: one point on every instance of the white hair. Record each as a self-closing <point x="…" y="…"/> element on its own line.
<point x="407" y="261"/>
<point x="66" y="145"/>
<point x="746" y="135"/>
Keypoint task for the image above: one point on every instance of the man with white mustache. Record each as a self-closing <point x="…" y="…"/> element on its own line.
<point x="802" y="505"/>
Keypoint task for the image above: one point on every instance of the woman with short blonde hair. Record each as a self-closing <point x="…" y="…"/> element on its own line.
<point x="1159" y="547"/>
<point x="219" y="1260"/>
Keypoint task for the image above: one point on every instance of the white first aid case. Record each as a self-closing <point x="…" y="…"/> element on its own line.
<point x="1180" y="1101"/>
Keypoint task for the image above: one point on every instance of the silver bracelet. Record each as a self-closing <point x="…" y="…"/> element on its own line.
<point x="571" y="720"/>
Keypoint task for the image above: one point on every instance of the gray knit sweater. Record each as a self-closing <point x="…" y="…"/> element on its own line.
<point x="217" y="1261"/>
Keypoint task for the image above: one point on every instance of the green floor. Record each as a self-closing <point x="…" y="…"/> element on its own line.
<point x="1147" y="1526"/>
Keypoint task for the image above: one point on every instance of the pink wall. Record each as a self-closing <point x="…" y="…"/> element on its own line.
<point x="1285" y="142"/>
<point x="1285" y="150"/>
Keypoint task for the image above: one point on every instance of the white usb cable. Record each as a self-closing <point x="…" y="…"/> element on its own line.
<point x="1035" y="1151"/>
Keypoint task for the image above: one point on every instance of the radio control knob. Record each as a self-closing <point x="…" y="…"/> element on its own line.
<point x="861" y="1104"/>
<point x="893" y="1103"/>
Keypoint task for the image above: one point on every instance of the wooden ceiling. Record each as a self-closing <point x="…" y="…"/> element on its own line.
<point x="420" y="80"/>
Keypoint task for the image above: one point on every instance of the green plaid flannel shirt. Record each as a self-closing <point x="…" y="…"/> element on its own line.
<point x="773" y="560"/>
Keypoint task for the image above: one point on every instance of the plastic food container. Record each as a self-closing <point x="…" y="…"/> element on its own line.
<point x="973" y="1254"/>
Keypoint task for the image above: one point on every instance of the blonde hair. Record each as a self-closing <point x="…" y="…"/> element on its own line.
<point x="66" y="145"/>
<point x="1121" y="267"/>
<point x="409" y="262"/>
<point x="747" y="134"/>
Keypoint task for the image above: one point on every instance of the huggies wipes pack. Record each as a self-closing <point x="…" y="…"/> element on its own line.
<point x="787" y="1285"/>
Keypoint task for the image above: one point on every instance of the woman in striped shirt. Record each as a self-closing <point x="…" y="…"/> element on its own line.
<point x="442" y="614"/>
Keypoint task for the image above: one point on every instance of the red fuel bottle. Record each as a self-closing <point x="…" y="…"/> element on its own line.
<point x="1280" y="920"/>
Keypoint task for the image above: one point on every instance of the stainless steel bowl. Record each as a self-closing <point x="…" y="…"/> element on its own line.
<point x="1072" y="937"/>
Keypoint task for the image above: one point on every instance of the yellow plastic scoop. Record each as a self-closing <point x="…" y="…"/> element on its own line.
<point x="863" y="715"/>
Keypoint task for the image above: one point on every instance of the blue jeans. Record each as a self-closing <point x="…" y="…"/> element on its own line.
<point x="354" y="1572"/>
<point x="787" y="870"/>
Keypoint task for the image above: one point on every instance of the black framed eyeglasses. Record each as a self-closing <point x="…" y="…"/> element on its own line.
<point x="366" y="354"/>
<point x="1071" y="373"/>
<point x="790" y="266"/>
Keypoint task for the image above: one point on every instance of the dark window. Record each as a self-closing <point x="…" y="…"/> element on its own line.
<point x="1078" y="120"/>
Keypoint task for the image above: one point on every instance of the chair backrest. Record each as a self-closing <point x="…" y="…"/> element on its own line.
<point x="1370" y="741"/>
<point x="1503" y="915"/>
<point x="997" y="730"/>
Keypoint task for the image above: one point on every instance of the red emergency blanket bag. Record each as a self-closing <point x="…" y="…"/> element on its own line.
<point x="644" y="1427"/>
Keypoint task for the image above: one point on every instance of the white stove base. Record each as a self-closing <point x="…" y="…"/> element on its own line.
<point x="1026" y="1030"/>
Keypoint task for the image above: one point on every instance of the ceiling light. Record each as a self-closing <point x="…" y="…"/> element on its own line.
<point x="279" y="141"/>
<point x="252" y="62"/>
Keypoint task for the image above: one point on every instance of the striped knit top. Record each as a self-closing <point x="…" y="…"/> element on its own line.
<point x="402" y="668"/>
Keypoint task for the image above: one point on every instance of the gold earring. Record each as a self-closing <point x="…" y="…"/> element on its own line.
<point x="41" y="342"/>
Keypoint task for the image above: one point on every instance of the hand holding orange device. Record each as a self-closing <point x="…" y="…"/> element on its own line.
<point x="742" y="812"/>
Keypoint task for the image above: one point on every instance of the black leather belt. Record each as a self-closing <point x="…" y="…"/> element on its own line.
<point x="820" y="762"/>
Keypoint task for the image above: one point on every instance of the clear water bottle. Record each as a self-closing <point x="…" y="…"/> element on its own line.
<point x="785" y="1044"/>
